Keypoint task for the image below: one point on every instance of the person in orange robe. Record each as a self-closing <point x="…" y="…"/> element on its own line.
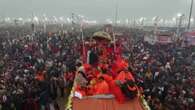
<point x="40" y="76"/>
<point x="114" y="88"/>
<point x="101" y="87"/>
<point x="120" y="78"/>
<point x="124" y="75"/>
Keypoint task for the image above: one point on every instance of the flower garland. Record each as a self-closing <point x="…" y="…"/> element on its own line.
<point x="144" y="103"/>
<point x="69" y="103"/>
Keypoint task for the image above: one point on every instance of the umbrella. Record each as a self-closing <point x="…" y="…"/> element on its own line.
<point x="102" y="35"/>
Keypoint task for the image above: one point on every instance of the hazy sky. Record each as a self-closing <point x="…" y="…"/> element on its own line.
<point x="94" y="9"/>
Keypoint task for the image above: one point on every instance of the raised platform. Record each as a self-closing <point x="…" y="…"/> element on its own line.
<point x="105" y="104"/>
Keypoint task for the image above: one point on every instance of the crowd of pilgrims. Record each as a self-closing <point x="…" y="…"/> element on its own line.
<point x="35" y="69"/>
<point x="166" y="73"/>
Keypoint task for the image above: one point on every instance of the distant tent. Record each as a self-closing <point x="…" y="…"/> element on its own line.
<point x="189" y="38"/>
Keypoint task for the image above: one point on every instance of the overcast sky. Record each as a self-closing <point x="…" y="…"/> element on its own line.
<point x="94" y="9"/>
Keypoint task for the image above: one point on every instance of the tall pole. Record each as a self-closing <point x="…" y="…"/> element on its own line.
<point x="116" y="19"/>
<point x="116" y="13"/>
<point x="180" y="20"/>
<point x="72" y="17"/>
<point x="83" y="45"/>
<point x="72" y="20"/>
<point x="33" y="24"/>
<point x="134" y="22"/>
<point x="189" y="20"/>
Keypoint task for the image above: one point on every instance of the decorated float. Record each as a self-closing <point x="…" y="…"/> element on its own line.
<point x="104" y="81"/>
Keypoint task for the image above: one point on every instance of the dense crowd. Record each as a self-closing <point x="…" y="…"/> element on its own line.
<point x="166" y="73"/>
<point x="35" y="69"/>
